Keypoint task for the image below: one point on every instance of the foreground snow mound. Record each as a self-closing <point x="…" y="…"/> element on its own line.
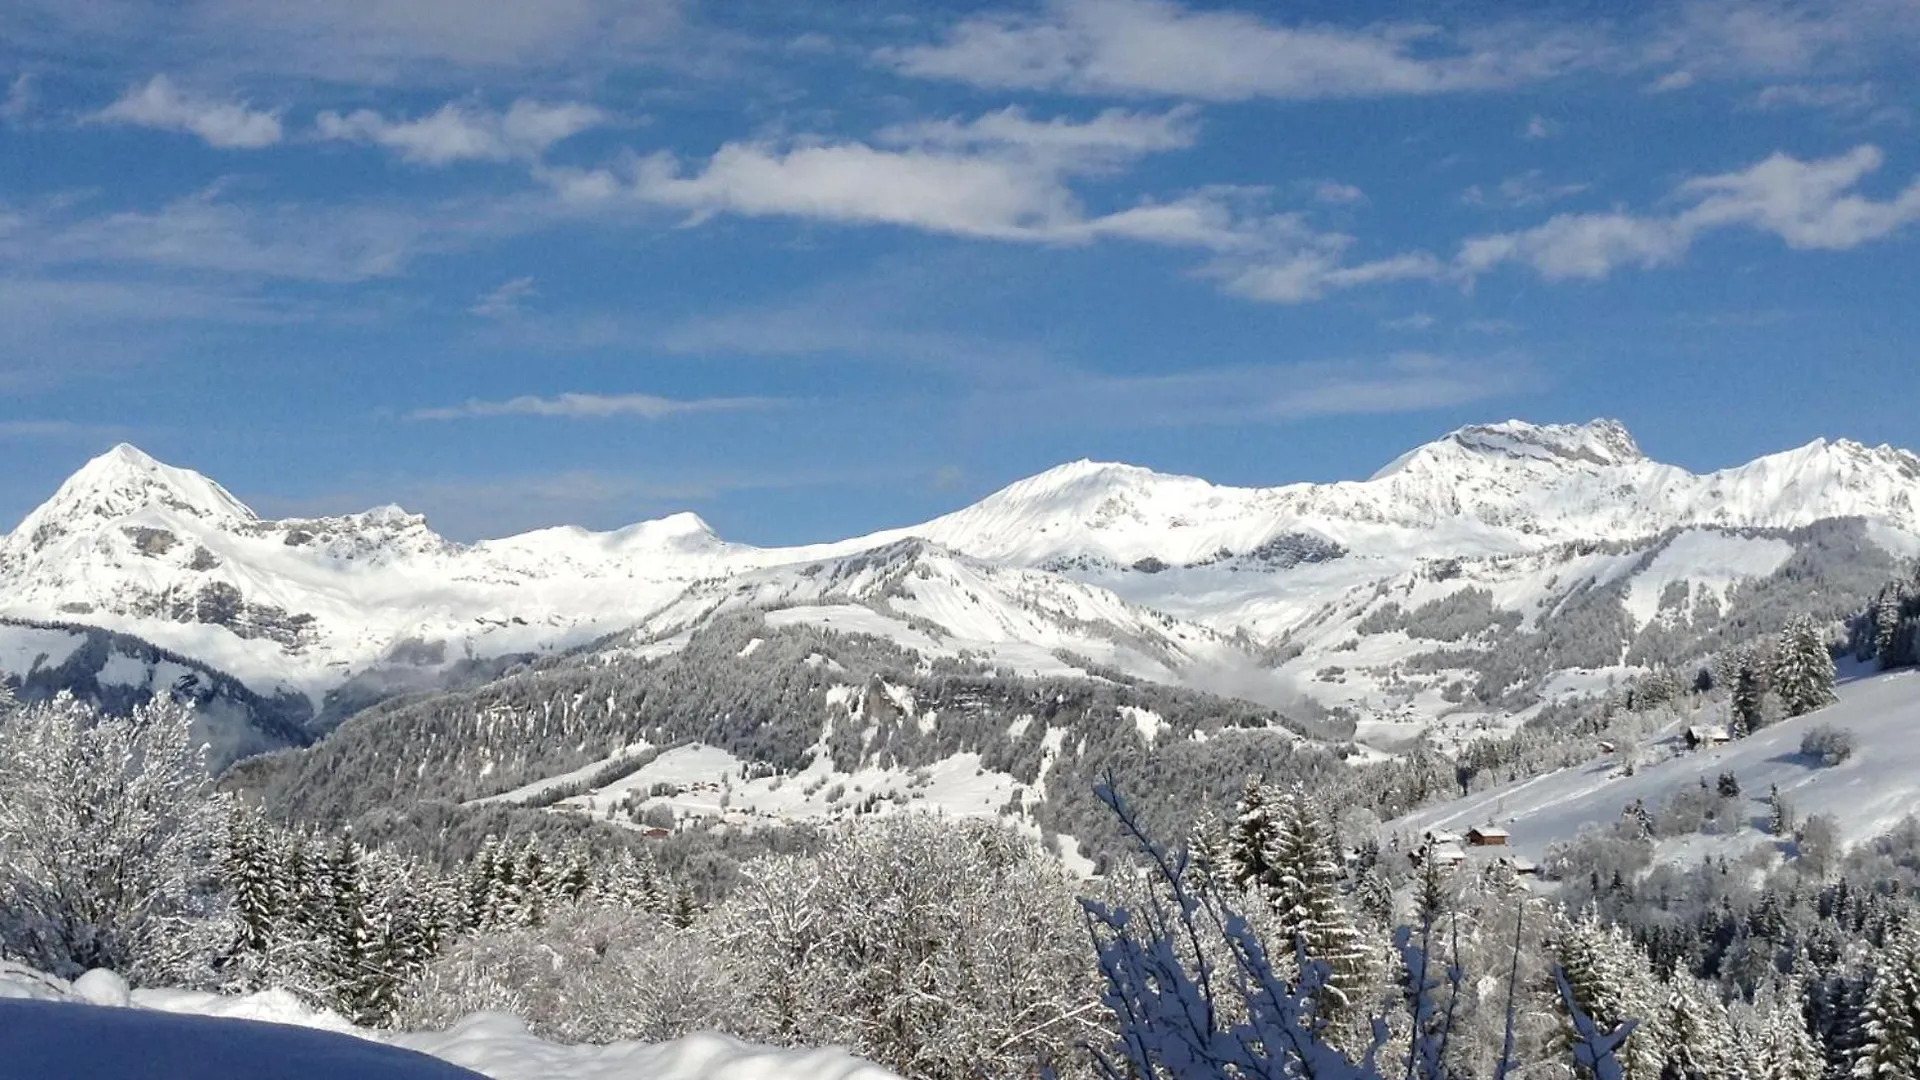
<point x="60" y="1039"/>
<point x="499" y="1046"/>
<point x="95" y="1027"/>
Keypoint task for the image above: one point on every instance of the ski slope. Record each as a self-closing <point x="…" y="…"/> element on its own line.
<point x="1868" y="794"/>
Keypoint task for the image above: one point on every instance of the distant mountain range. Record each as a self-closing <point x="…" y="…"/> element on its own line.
<point x="1463" y="584"/>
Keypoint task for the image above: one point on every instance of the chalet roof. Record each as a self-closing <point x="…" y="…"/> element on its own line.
<point x="1488" y="830"/>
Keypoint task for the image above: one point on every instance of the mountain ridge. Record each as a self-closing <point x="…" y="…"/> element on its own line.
<point x="305" y="604"/>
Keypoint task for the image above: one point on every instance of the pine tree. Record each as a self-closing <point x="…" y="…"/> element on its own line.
<point x="1702" y="1044"/>
<point x="1779" y="813"/>
<point x="1779" y="1046"/>
<point x="1306" y="899"/>
<point x="1612" y="982"/>
<point x="1891" y="1046"/>
<point x="251" y="878"/>
<point x="1748" y="695"/>
<point x="1207" y="858"/>
<point x="1250" y="840"/>
<point x="1803" y="670"/>
<point x="1886" y="628"/>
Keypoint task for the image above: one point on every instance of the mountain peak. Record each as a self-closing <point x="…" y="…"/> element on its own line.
<point x="1599" y="442"/>
<point x="123" y="481"/>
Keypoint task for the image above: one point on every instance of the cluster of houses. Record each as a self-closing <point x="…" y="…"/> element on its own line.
<point x="1450" y="849"/>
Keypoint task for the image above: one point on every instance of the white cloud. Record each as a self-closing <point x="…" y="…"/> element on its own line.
<point x="504" y="302"/>
<point x="1114" y="136"/>
<point x="465" y="132"/>
<point x="1306" y="275"/>
<point x="855" y="183"/>
<point x="1419" y="320"/>
<point x="1332" y="191"/>
<point x="225" y="124"/>
<point x="1539" y="127"/>
<point x="1840" y="97"/>
<point x="1807" y="204"/>
<point x="1159" y="47"/>
<point x="592" y="406"/>
<point x="1530" y="188"/>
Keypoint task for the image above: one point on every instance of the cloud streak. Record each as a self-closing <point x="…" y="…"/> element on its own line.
<point x="1160" y="48"/>
<point x="1810" y="205"/>
<point x="459" y="131"/>
<point x="226" y="125"/>
<point x="573" y="406"/>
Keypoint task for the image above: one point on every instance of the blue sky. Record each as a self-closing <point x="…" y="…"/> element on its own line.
<point x="811" y="273"/>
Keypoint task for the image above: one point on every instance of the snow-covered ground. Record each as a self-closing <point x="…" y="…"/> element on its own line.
<point x="96" y="1028"/>
<point x="1868" y="794"/>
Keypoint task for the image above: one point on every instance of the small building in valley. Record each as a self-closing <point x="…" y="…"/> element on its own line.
<point x="1699" y="735"/>
<point x="1487" y="836"/>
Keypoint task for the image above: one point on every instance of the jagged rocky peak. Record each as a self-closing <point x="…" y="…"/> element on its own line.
<point x="124" y="481"/>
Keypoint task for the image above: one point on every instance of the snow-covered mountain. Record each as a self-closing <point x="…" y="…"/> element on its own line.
<point x="1167" y="578"/>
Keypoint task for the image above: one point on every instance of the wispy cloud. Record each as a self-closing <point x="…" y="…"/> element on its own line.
<point x="228" y="125"/>
<point x="1810" y="205"/>
<point x="369" y="42"/>
<point x="1114" y="136"/>
<point x="505" y="300"/>
<point x="1332" y="191"/>
<point x="594" y="407"/>
<point x="1530" y="188"/>
<point x="1158" y="47"/>
<point x="1539" y="127"/>
<point x="1276" y="393"/>
<point x="463" y="131"/>
<point x="20" y="100"/>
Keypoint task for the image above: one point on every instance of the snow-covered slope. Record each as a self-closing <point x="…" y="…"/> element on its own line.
<point x="1868" y="794"/>
<point x="96" y="1028"/>
<point x="1163" y="576"/>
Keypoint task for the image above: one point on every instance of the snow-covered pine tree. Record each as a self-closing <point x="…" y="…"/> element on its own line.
<point x="1611" y="980"/>
<point x="1803" y="671"/>
<point x="483" y="885"/>
<point x="1702" y="1043"/>
<point x="1779" y="812"/>
<point x="252" y="878"/>
<point x="527" y="888"/>
<point x="1774" y="1032"/>
<point x="1250" y="839"/>
<point x="1887" y="615"/>
<point x="1747" y="697"/>
<point x="1306" y="899"/>
<point x="1890" y="1049"/>
<point x="1207" y="851"/>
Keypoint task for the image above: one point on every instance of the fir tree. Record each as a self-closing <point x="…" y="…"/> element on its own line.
<point x="1306" y="898"/>
<point x="1747" y="696"/>
<point x="1779" y="813"/>
<point x="1803" y="671"/>
<point x="1890" y="1049"/>
<point x="1778" y="1044"/>
<point x="1886" y="629"/>
<point x="1250" y="841"/>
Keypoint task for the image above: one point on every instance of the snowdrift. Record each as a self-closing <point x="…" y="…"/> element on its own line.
<point x="96" y="1027"/>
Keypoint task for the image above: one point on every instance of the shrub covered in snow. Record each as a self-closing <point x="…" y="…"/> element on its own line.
<point x="1831" y="745"/>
